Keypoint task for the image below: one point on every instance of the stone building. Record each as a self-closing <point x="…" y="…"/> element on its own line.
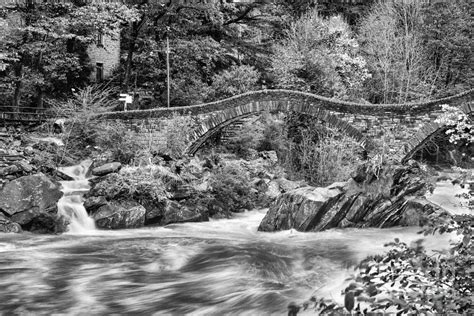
<point x="104" y="55"/>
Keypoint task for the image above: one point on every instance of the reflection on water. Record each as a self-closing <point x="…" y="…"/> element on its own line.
<point x="215" y="268"/>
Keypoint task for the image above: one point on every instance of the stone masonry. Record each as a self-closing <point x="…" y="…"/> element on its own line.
<point x="404" y="127"/>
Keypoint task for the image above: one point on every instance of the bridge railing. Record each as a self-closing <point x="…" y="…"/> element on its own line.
<point x="8" y="115"/>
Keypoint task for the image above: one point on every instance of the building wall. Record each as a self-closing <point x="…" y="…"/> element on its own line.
<point x="108" y="54"/>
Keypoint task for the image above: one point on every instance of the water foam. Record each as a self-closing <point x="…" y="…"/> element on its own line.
<point x="71" y="204"/>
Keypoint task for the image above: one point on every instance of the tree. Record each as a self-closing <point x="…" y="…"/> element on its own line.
<point x="320" y="56"/>
<point x="391" y="37"/>
<point x="447" y="36"/>
<point x="236" y="80"/>
<point x="204" y="40"/>
<point x="47" y="52"/>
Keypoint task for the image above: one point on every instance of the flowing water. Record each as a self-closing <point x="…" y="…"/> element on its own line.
<point x="71" y="204"/>
<point x="221" y="267"/>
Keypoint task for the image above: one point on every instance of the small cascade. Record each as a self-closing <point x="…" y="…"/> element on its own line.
<point x="71" y="204"/>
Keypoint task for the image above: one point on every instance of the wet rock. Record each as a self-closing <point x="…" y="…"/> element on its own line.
<point x="301" y="209"/>
<point x="155" y="210"/>
<point x="120" y="215"/>
<point x="112" y="186"/>
<point x="7" y="226"/>
<point x="34" y="192"/>
<point x="47" y="223"/>
<point x="25" y="217"/>
<point x="179" y="190"/>
<point x="177" y="213"/>
<point x="314" y="209"/>
<point x="93" y="203"/>
<point x="107" y="168"/>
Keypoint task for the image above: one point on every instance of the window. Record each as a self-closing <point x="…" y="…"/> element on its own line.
<point x="99" y="72"/>
<point x="100" y="39"/>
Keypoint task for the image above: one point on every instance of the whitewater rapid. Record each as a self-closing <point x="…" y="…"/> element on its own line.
<point x="211" y="268"/>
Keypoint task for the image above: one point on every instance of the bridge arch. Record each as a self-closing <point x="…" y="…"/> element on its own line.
<point x="219" y="120"/>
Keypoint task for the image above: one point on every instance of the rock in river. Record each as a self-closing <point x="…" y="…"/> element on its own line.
<point x="106" y="169"/>
<point x="116" y="215"/>
<point x="35" y="193"/>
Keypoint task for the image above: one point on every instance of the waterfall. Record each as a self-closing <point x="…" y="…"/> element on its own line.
<point x="71" y="204"/>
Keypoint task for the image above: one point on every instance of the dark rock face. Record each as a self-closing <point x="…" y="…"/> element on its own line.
<point x="107" y="168"/>
<point x="117" y="215"/>
<point x="317" y="209"/>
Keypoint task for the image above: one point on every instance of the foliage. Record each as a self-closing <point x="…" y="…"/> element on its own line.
<point x="447" y="31"/>
<point x="204" y="40"/>
<point x="236" y="80"/>
<point x="461" y="129"/>
<point x="176" y="133"/>
<point x="321" y="56"/>
<point x="231" y="188"/>
<point x="408" y="280"/>
<point x="321" y="157"/>
<point x="46" y="46"/>
<point x="391" y="37"/>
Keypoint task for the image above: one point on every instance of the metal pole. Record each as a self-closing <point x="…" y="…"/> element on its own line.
<point x="168" y="66"/>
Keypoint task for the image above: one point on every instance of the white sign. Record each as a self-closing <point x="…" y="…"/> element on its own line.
<point x="128" y="99"/>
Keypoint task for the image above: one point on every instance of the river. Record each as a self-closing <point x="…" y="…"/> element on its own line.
<point x="221" y="267"/>
<point x="214" y="268"/>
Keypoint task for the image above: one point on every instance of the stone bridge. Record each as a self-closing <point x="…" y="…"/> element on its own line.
<point x="409" y="125"/>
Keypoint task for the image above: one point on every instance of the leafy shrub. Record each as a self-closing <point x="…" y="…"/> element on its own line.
<point x="407" y="280"/>
<point x="231" y="189"/>
<point x="321" y="157"/>
<point x="176" y="132"/>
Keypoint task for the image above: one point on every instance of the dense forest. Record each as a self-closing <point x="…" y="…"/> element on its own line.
<point x="386" y="52"/>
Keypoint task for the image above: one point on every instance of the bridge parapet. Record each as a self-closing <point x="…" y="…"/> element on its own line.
<point x="293" y="96"/>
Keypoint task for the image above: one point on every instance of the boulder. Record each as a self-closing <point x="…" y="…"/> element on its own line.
<point x="179" y="189"/>
<point x="155" y="210"/>
<point x="343" y="205"/>
<point x="301" y="209"/>
<point x="7" y="226"/>
<point x="177" y="213"/>
<point x="35" y="193"/>
<point x="47" y="223"/>
<point x="119" y="215"/>
<point x="93" y="203"/>
<point x="107" y="168"/>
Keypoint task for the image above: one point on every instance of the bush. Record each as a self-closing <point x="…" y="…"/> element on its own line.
<point x="231" y="190"/>
<point x="409" y="281"/>
<point x="321" y="156"/>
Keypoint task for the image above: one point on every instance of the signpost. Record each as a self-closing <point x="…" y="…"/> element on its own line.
<point x="127" y="99"/>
